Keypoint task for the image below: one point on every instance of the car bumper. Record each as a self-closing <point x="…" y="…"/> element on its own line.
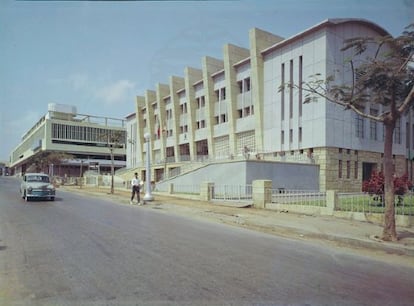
<point x="49" y="194"/>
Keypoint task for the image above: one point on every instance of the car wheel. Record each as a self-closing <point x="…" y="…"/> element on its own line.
<point x="52" y="198"/>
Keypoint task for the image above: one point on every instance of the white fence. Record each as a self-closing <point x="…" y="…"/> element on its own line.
<point x="299" y="197"/>
<point x="232" y="192"/>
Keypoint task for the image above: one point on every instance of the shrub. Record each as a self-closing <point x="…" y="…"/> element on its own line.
<point x="375" y="185"/>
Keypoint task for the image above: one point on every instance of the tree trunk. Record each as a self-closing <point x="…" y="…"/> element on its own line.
<point x="389" y="232"/>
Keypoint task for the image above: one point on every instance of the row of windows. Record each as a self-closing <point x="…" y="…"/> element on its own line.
<point x="243" y="85"/>
<point x="200" y="102"/>
<point x="85" y="133"/>
<point x="348" y="169"/>
<point x="292" y="82"/>
<point x="282" y="136"/>
<point x="373" y="129"/>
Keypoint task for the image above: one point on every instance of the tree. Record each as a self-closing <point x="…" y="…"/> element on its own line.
<point x="382" y="74"/>
<point x="41" y="161"/>
<point x="114" y="139"/>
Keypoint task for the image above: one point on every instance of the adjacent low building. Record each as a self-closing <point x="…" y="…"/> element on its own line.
<point x="88" y="139"/>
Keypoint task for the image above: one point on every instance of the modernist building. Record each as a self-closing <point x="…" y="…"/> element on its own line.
<point x="131" y="148"/>
<point x="233" y="108"/>
<point x="87" y="138"/>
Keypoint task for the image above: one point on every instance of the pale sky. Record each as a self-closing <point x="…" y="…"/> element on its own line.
<point x="99" y="55"/>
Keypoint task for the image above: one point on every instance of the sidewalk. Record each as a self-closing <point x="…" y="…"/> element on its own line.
<point x="341" y="232"/>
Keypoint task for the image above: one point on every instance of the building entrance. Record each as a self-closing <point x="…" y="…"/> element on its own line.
<point x="367" y="169"/>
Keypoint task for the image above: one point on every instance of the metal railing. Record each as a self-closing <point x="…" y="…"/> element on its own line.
<point x="365" y="203"/>
<point x="232" y="192"/>
<point x="187" y="189"/>
<point x="299" y="197"/>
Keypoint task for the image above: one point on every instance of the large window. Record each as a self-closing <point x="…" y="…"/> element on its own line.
<point x="282" y="92"/>
<point x="291" y="90"/>
<point x="84" y="134"/>
<point x="397" y="132"/>
<point x="359" y="126"/>
<point x="373" y="125"/>
<point x="300" y="85"/>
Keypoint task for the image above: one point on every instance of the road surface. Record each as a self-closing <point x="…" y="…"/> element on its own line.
<point x="80" y="250"/>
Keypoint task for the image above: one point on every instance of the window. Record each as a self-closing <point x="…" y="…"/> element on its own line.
<point x="373" y="134"/>
<point x="183" y="108"/>
<point x="340" y="169"/>
<point x="220" y="94"/>
<point x="244" y="85"/>
<point x="359" y="126"/>
<point x="356" y="170"/>
<point x="200" y="102"/>
<point x="290" y="135"/>
<point x="300" y="134"/>
<point x="183" y="129"/>
<point x="282" y="137"/>
<point x="240" y="85"/>
<point x="282" y="92"/>
<point x="397" y="132"/>
<point x="407" y="136"/>
<point x="247" y="111"/>
<point x="223" y="93"/>
<point x="291" y="90"/>
<point x="247" y="84"/>
<point x="300" y="85"/>
<point x="412" y="136"/>
<point x="348" y="169"/>
<point x="201" y="124"/>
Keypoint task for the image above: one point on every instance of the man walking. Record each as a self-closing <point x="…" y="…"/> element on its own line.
<point x="136" y="185"/>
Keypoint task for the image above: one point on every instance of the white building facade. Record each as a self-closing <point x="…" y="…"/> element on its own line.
<point x="234" y="108"/>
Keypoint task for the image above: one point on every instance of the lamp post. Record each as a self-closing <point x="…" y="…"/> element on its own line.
<point x="148" y="196"/>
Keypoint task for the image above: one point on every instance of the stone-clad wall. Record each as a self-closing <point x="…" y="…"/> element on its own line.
<point x="328" y="160"/>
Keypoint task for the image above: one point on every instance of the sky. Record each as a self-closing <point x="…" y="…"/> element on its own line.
<point x="99" y="55"/>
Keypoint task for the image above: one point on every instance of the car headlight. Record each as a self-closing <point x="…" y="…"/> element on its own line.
<point x="29" y="189"/>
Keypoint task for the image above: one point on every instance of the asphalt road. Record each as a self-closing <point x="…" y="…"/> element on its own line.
<point x="80" y="250"/>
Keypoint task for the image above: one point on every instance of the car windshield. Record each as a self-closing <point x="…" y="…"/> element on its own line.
<point x="37" y="178"/>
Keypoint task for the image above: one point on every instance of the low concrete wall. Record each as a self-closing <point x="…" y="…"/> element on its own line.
<point x="376" y="218"/>
<point x="282" y="175"/>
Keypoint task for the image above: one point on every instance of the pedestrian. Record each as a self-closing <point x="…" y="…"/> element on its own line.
<point x="136" y="187"/>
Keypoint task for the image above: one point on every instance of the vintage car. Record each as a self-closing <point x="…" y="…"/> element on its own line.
<point x="37" y="185"/>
